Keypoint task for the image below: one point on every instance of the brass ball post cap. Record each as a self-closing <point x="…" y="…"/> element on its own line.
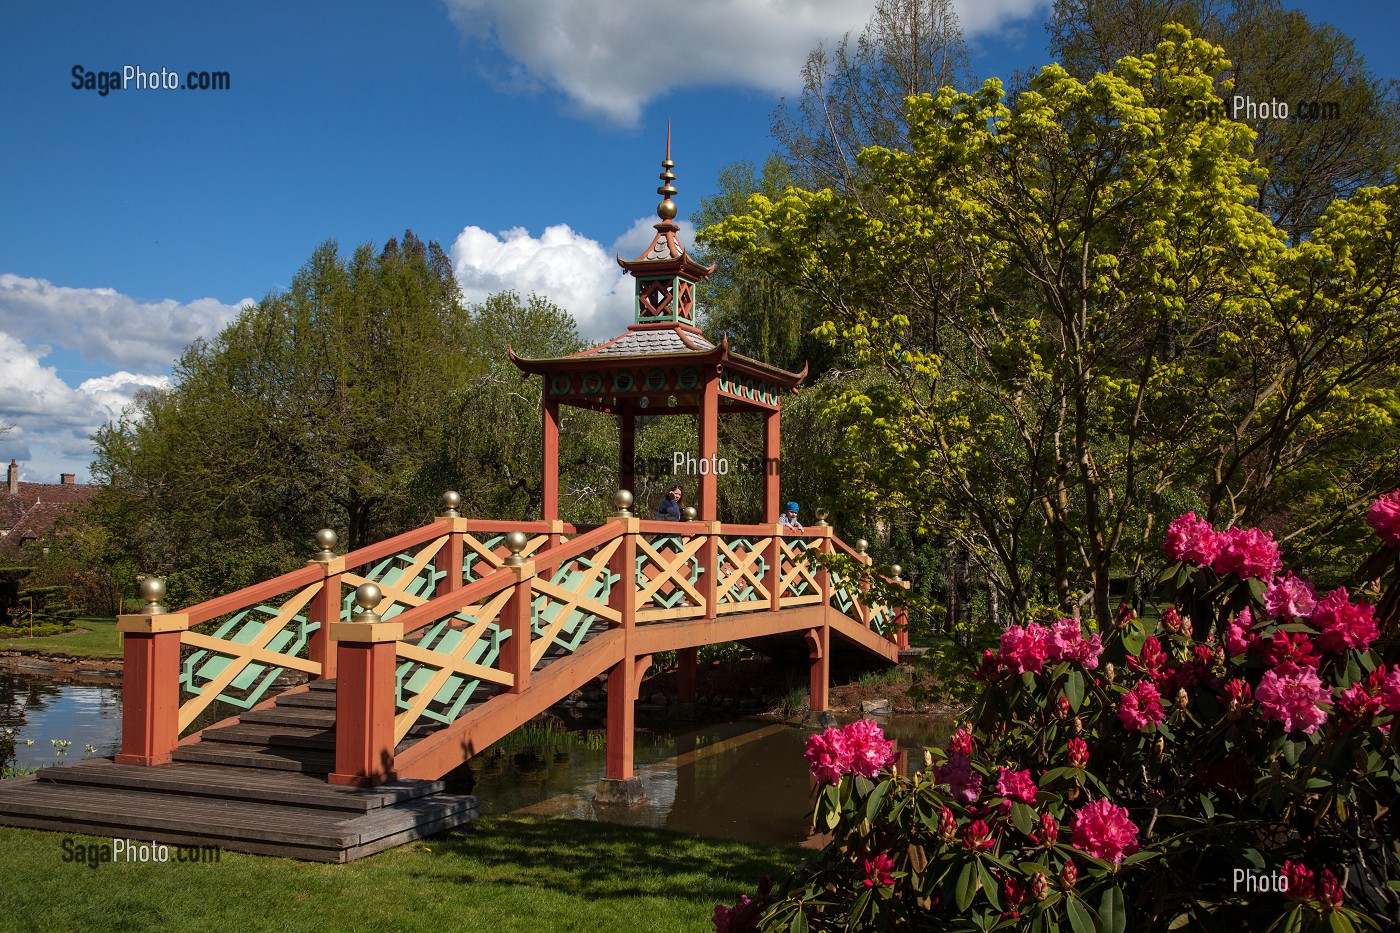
<point x="368" y="595"/>
<point x="153" y="589"/>
<point x="516" y="541"/>
<point x="326" y="539"/>
<point x="622" y="500"/>
<point x="690" y="513"/>
<point x="862" y="545"/>
<point x="451" y="500"/>
<point x="896" y="570"/>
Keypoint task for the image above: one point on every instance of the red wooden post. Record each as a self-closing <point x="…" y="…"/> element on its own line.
<point x="550" y="506"/>
<point x="619" y="785"/>
<point x="685" y="674"/>
<point x="773" y="578"/>
<point x="819" y="654"/>
<point x="709" y="567"/>
<point x="150" y="686"/>
<point x="901" y="621"/>
<point x="325" y="609"/>
<point x="709" y="447"/>
<point x="449" y="559"/>
<point x="516" y="619"/>
<point x="771" y="505"/>
<point x="365" y="695"/>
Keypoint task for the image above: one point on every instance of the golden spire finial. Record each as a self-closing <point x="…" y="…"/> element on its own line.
<point x="666" y="210"/>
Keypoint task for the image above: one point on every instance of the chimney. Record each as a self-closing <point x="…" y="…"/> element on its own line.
<point x="14" y="478"/>
<point x="66" y="478"/>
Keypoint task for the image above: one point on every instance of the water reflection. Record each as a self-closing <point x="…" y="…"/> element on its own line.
<point x="43" y="711"/>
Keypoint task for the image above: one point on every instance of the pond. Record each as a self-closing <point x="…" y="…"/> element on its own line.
<point x="741" y="779"/>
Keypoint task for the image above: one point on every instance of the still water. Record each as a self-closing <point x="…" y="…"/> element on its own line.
<point x="737" y="779"/>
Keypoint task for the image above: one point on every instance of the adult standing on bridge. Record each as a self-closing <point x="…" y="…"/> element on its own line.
<point x="670" y="508"/>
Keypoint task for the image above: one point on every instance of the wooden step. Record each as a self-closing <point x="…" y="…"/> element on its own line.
<point x="200" y="780"/>
<point x="284" y="758"/>
<point x="292" y="716"/>
<point x="317" y="834"/>
<point x="314" y="699"/>
<point x="272" y="736"/>
<point x="323" y="686"/>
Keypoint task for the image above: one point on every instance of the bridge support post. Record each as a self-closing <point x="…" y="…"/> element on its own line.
<point x="449" y="560"/>
<point x="364" y="702"/>
<point x="619" y="785"/>
<point x="819" y="654"/>
<point x="685" y="674"/>
<point x="516" y="657"/>
<point x="150" y="686"/>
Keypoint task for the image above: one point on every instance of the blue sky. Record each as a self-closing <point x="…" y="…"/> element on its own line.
<point x="524" y="135"/>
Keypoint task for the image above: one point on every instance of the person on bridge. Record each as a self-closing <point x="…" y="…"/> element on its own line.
<point x="670" y="508"/>
<point x="789" y="518"/>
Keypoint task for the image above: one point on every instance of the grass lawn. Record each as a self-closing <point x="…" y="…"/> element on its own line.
<point x="499" y="874"/>
<point x="99" y="641"/>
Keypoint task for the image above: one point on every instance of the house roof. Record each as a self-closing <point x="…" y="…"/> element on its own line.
<point x="32" y="511"/>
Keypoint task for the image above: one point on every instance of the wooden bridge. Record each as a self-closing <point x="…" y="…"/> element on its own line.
<point x="421" y="651"/>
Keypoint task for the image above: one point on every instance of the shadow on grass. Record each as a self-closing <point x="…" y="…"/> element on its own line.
<point x="600" y="860"/>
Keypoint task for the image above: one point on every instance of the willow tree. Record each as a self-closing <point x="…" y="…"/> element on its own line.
<point x="1117" y="330"/>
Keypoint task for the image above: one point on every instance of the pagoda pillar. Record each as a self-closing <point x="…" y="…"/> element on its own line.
<point x="709" y="447"/>
<point x="772" y="507"/>
<point x="627" y="448"/>
<point x="550" y="462"/>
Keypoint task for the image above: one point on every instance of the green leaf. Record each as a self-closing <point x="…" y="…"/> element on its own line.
<point x="1023" y="816"/>
<point x="1256" y="587"/>
<point x="1074" y="689"/>
<point x="877" y="797"/>
<point x="858" y="910"/>
<point x="967" y="886"/>
<point x="1079" y="917"/>
<point x="799" y="923"/>
<point x="989" y="884"/>
<point x="1338" y="923"/>
<point x="1113" y="917"/>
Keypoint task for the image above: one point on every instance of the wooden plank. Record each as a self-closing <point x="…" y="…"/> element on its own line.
<point x="293" y="716"/>
<point x="274" y="736"/>
<point x="311" y="699"/>
<point x="286" y="759"/>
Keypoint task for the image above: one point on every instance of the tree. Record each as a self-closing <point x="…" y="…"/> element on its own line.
<point x="854" y="98"/>
<point x="320" y="406"/>
<point x="1115" y="325"/>
<point x="1343" y="128"/>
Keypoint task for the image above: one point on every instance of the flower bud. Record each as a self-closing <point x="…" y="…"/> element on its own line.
<point x="1181" y="699"/>
<point x="978" y="836"/>
<point x="1078" y="726"/>
<point x="1040" y="886"/>
<point x="961" y="743"/>
<point x="1329" y="892"/>
<point x="928" y="758"/>
<point x="1062" y="709"/>
<point x="1049" y="832"/>
<point x="1078" y="753"/>
<point x="947" y="826"/>
<point x="1108" y="672"/>
<point x="1069" y="875"/>
<point x="1159" y="748"/>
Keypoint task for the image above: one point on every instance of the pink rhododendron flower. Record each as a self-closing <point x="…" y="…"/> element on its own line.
<point x="1358" y="704"/>
<point x="1239" y="635"/>
<point x="1014" y="893"/>
<point x="1343" y="624"/>
<point x="877" y="871"/>
<point x="1329" y="892"/>
<point x="1384" y="518"/>
<point x="1024" y="648"/>
<point x="1289" y="598"/>
<point x="1290" y="648"/>
<point x="1301" y="886"/>
<point x="1141" y="707"/>
<point x="1290" y="694"/>
<point x="1249" y="554"/>
<point x="828" y="756"/>
<point x="1105" y="831"/>
<point x="737" y="919"/>
<point x="1173" y="622"/>
<point x="1078" y="753"/>
<point x="961" y="743"/>
<point x="1062" y="707"/>
<point x="1390" y="690"/>
<point x="1067" y="643"/>
<point x="1192" y="541"/>
<point x="1016" y="785"/>
<point x="869" y="750"/>
<point x="947" y="825"/>
<point x="963" y="783"/>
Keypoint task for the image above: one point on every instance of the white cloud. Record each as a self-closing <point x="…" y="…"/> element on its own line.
<point x="52" y="420"/>
<point x="575" y="272"/>
<point x="105" y="325"/>
<point x="613" y="56"/>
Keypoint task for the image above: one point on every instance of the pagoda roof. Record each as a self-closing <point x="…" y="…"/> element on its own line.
<point x="659" y="343"/>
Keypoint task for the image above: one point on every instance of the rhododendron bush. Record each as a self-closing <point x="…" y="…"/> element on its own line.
<point x="1230" y="764"/>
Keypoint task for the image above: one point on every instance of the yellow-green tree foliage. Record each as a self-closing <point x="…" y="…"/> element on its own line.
<point x="1108" y="327"/>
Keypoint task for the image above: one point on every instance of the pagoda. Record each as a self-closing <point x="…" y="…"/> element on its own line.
<point x="664" y="365"/>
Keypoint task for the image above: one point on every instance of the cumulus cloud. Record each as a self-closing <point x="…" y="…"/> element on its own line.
<point x="575" y="272"/>
<point x="53" y="421"/>
<point x="613" y="56"/>
<point x="105" y="325"/>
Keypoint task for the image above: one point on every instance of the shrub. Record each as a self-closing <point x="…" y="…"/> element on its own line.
<point x="1229" y="765"/>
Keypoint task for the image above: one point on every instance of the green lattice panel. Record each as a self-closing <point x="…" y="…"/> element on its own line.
<point x="841" y="596"/>
<point x="412" y="678"/>
<point x="742" y="590"/>
<point x="882" y="620"/>
<point x="799" y="585"/>
<point x="252" y="683"/>
<point x="546" y="608"/>
<point x="388" y="574"/>
<point x="667" y="545"/>
<point x="474" y="566"/>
